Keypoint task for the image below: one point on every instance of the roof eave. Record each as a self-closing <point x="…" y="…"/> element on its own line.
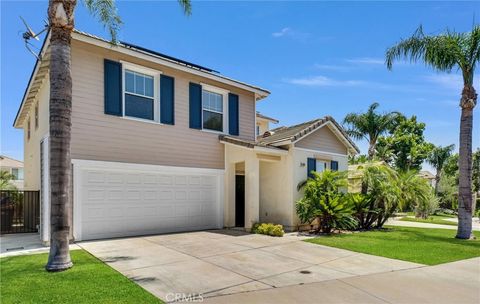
<point x="44" y="47"/>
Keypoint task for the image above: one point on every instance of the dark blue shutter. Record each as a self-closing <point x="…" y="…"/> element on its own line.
<point x="167" y="100"/>
<point x="233" y="120"/>
<point x="334" y="165"/>
<point x="195" y="92"/>
<point x="113" y="87"/>
<point x="311" y="166"/>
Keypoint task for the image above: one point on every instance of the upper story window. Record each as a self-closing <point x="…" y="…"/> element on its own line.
<point x="36" y="116"/>
<point x="139" y="95"/>
<point x="257" y="130"/>
<point x="212" y="110"/>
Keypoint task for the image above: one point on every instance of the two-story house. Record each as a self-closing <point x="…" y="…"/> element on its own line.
<point x="161" y="145"/>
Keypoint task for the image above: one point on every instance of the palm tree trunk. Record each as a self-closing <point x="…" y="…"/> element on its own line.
<point x="371" y="150"/>
<point x="437" y="181"/>
<point x="60" y="13"/>
<point x="467" y="103"/>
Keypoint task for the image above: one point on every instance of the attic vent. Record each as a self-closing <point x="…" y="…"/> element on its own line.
<point x="267" y="134"/>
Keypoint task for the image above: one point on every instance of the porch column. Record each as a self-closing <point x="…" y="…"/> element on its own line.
<point x="252" y="192"/>
<point x="229" y="204"/>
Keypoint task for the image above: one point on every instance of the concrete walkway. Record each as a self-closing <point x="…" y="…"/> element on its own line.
<point x="456" y="282"/>
<point x="224" y="262"/>
<point x="396" y="222"/>
<point x="23" y="243"/>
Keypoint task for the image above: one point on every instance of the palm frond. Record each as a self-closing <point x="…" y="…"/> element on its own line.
<point x="441" y="52"/>
<point x="186" y="6"/>
<point x="106" y="12"/>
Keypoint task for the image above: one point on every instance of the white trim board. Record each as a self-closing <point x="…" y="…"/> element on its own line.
<point x="321" y="152"/>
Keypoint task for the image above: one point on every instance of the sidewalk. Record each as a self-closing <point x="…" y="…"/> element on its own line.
<point x="23" y="243"/>
<point x="455" y="282"/>
<point x="395" y="222"/>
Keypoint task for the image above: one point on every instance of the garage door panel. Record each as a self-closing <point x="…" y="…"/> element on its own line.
<point x="113" y="202"/>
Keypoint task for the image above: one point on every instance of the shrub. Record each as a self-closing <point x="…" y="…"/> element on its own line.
<point x="385" y="191"/>
<point x="268" y="229"/>
<point x="277" y="230"/>
<point x="325" y="202"/>
<point x="426" y="207"/>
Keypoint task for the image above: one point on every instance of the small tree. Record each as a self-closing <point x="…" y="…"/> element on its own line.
<point x="437" y="159"/>
<point x="406" y="145"/>
<point x="6" y="181"/>
<point x="325" y="202"/>
<point x="370" y="126"/>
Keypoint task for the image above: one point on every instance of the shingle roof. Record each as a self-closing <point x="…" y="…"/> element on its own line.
<point x="246" y="143"/>
<point x="259" y="115"/>
<point x="294" y="133"/>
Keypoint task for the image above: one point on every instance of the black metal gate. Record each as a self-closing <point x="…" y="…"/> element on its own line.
<point x="20" y="211"/>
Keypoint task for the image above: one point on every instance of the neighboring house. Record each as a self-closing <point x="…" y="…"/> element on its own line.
<point x="429" y="177"/>
<point x="162" y="145"/>
<point x="15" y="168"/>
<point x="355" y="175"/>
<point x="263" y="124"/>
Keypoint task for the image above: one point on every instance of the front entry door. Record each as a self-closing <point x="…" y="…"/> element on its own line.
<point x="239" y="201"/>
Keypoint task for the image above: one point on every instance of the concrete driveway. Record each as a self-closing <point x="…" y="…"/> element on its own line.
<point x="226" y="262"/>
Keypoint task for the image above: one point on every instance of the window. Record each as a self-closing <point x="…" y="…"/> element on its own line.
<point x="17" y="173"/>
<point x="212" y="109"/>
<point x="258" y="130"/>
<point x="36" y="116"/>
<point x="321" y="165"/>
<point x="139" y="95"/>
<point x="28" y="129"/>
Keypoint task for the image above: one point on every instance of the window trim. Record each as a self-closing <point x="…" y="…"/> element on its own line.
<point x="224" y="94"/>
<point x="156" y="91"/>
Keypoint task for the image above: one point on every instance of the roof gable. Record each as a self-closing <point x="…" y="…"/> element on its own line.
<point x="292" y="134"/>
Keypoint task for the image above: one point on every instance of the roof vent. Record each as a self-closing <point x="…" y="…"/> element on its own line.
<point x="267" y="134"/>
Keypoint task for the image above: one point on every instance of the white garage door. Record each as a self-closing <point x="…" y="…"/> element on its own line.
<point x="118" y="199"/>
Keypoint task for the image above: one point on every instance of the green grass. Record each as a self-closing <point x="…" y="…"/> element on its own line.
<point x="24" y="280"/>
<point x="420" y="245"/>
<point x="432" y="219"/>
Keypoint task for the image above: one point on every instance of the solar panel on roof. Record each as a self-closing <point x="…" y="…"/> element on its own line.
<point x="193" y="65"/>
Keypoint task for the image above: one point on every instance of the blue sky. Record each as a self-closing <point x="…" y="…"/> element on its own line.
<point x="317" y="58"/>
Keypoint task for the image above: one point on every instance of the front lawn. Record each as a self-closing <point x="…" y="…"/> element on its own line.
<point x="432" y="219"/>
<point x="420" y="245"/>
<point x="24" y="280"/>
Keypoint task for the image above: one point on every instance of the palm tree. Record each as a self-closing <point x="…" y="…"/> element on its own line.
<point x="437" y="159"/>
<point x="61" y="24"/>
<point x="370" y="125"/>
<point x="445" y="52"/>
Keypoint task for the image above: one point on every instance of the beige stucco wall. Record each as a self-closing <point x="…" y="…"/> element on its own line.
<point x="31" y="150"/>
<point x="96" y="136"/>
<point x="276" y="195"/>
<point x="322" y="139"/>
<point x="235" y="155"/>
